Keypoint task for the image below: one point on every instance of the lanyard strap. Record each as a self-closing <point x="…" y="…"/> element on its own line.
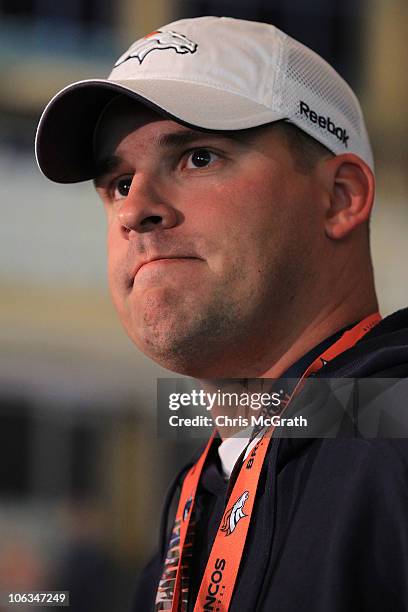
<point x="170" y="587"/>
<point x="219" y="578"/>
<point x="346" y="341"/>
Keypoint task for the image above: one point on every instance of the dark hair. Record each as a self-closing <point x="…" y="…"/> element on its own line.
<point x="305" y="150"/>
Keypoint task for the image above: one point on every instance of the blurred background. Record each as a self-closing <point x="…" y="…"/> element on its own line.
<point x="82" y="472"/>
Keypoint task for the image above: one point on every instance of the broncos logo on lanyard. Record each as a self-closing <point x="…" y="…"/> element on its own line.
<point x="234" y="514"/>
<point x="162" y="39"/>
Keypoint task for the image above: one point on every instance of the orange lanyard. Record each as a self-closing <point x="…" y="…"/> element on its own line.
<point x="219" y="578"/>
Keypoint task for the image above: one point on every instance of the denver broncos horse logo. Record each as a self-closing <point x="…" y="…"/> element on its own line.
<point x="234" y="514"/>
<point x="162" y="39"/>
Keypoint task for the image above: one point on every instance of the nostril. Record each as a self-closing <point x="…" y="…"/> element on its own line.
<point x="155" y="219"/>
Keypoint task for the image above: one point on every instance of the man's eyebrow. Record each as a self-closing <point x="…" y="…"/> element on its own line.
<point x="104" y="166"/>
<point x="184" y="137"/>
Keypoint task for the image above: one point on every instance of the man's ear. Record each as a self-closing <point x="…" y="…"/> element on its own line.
<point x="352" y="186"/>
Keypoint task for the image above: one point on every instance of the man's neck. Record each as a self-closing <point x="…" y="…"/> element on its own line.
<point x="314" y="335"/>
<point x="323" y="326"/>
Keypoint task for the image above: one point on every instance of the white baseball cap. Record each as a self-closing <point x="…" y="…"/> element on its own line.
<point x="214" y="73"/>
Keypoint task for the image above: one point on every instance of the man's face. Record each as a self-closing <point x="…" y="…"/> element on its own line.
<point x="210" y="238"/>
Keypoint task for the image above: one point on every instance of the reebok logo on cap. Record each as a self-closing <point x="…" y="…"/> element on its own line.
<point x="324" y="122"/>
<point x="159" y="40"/>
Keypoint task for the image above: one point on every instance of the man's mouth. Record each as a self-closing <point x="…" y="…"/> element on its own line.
<point x="163" y="259"/>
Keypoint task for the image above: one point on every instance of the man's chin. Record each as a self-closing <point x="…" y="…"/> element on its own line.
<point x="172" y="343"/>
<point x="181" y="335"/>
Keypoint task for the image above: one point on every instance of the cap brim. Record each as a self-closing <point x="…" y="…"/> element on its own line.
<point x="64" y="140"/>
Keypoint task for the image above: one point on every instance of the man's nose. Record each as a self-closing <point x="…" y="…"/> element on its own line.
<point x="145" y="208"/>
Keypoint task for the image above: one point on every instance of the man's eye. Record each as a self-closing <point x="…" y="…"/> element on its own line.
<point x="122" y="187"/>
<point x="201" y="158"/>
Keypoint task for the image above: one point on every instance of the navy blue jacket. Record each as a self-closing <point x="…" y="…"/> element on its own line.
<point x="329" y="532"/>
